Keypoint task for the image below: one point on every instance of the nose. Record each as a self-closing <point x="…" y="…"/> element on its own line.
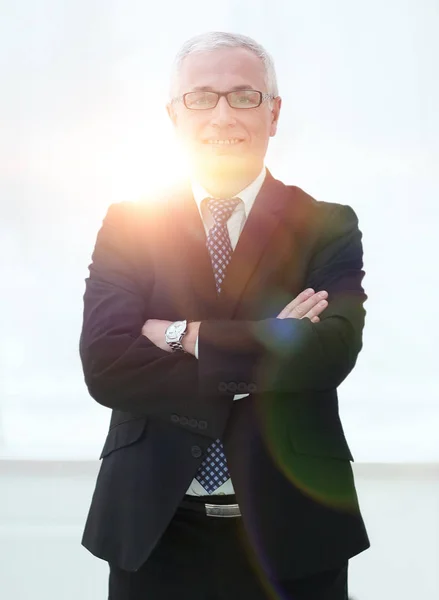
<point x="223" y="115"/>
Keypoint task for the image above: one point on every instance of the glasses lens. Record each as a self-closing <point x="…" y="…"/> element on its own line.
<point x="244" y="99"/>
<point x="200" y="100"/>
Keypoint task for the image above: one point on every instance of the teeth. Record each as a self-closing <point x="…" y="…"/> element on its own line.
<point x="234" y="141"/>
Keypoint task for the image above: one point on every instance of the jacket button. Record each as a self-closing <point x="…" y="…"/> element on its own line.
<point x="232" y="387"/>
<point x="184" y="420"/>
<point x="175" y="418"/>
<point x="196" y="451"/>
<point x="222" y="387"/>
<point x="242" y="387"/>
<point x="202" y="424"/>
<point x="193" y="423"/>
<point x="252" y="387"/>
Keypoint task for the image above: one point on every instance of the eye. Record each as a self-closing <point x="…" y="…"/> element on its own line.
<point x="201" y="101"/>
<point x="245" y="99"/>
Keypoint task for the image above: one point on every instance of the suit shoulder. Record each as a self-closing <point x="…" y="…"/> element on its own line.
<point x="299" y="195"/>
<point x="140" y="210"/>
<point x="319" y="220"/>
<point x="321" y="209"/>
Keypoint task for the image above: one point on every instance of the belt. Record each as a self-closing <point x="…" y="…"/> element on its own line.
<point x="220" y="509"/>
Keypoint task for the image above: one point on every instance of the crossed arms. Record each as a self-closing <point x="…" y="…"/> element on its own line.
<point x="126" y="370"/>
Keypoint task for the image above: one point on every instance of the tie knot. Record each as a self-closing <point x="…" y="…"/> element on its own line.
<point x="222" y="209"/>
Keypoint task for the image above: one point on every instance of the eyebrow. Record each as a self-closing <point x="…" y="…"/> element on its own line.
<point x="235" y="88"/>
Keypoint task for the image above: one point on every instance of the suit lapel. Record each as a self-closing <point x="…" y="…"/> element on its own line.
<point x="188" y="241"/>
<point x="188" y="238"/>
<point x="263" y="220"/>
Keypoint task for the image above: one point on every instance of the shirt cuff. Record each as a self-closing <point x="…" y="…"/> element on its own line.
<point x="196" y="346"/>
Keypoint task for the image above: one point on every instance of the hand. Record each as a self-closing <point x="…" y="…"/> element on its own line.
<point x="307" y="304"/>
<point x="154" y="330"/>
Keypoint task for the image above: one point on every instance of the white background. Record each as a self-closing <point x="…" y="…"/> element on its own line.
<point x="83" y="124"/>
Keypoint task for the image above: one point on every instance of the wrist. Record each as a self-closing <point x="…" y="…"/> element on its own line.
<point x="189" y="339"/>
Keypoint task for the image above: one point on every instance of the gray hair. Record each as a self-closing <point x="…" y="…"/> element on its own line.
<point x="207" y="42"/>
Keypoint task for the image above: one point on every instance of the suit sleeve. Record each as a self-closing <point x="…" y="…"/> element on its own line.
<point x="122" y="368"/>
<point x="295" y="355"/>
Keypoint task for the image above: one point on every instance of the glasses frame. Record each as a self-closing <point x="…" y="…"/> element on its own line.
<point x="263" y="97"/>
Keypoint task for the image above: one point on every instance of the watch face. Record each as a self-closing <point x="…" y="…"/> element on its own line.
<point x="175" y="330"/>
<point x="171" y="330"/>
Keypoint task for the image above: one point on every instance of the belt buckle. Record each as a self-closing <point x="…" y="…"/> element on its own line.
<point x="222" y="510"/>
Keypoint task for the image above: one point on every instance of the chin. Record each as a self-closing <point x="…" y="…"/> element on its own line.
<point x="224" y="166"/>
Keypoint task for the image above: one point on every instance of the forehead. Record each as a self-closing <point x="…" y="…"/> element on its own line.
<point x="222" y="70"/>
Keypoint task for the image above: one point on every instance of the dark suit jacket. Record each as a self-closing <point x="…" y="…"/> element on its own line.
<point x="287" y="453"/>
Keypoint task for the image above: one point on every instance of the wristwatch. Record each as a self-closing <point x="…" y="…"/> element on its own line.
<point x="175" y="333"/>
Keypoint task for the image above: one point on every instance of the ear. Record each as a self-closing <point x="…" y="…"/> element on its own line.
<point x="172" y="113"/>
<point x="275" y="112"/>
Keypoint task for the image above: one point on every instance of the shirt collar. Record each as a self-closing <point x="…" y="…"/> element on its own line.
<point x="247" y="195"/>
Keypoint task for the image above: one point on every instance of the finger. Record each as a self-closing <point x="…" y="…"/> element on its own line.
<point x="295" y="302"/>
<point x="315" y="319"/>
<point x="300" y="311"/>
<point x="317" y="309"/>
<point x="304" y="310"/>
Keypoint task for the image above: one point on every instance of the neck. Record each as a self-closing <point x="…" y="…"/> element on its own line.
<point x="226" y="186"/>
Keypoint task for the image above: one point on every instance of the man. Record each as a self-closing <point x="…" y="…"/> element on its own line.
<point x="218" y="323"/>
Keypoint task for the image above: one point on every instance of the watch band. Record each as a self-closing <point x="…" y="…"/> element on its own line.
<point x="176" y="346"/>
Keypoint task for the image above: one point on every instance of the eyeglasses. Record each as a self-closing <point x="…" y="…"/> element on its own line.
<point x="242" y="99"/>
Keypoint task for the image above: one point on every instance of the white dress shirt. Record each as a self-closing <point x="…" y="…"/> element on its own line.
<point x="235" y="225"/>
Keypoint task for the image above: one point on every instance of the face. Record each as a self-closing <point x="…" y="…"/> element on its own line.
<point x="224" y="141"/>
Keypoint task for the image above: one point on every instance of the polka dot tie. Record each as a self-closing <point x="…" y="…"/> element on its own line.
<point x="213" y="471"/>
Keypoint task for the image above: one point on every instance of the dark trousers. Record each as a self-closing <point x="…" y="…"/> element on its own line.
<point x="208" y="558"/>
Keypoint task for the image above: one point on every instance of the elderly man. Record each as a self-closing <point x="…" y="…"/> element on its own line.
<point x="218" y="323"/>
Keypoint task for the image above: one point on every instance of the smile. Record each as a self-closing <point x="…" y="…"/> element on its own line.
<point x="229" y="142"/>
